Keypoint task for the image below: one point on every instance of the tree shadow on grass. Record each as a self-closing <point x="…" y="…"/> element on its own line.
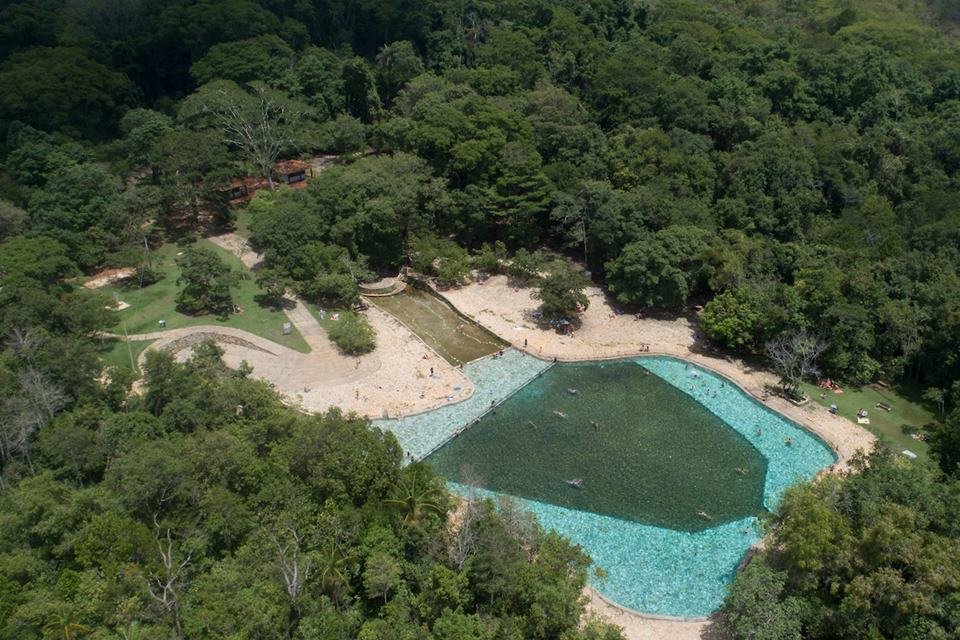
<point x="272" y="302"/>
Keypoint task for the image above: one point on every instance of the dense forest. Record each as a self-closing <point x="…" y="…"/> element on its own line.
<point x="790" y="166"/>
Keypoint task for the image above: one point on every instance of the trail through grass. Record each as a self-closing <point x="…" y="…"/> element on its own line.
<point x="115" y="352"/>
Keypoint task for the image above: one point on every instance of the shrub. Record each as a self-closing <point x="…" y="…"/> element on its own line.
<point x="525" y="266"/>
<point x="353" y="334"/>
<point x="487" y="260"/>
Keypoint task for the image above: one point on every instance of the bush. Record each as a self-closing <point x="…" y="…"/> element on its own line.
<point x="561" y="291"/>
<point x="525" y="266"/>
<point x="429" y="253"/>
<point x="451" y="272"/>
<point x="487" y="260"/>
<point x="353" y="334"/>
<point x="207" y="282"/>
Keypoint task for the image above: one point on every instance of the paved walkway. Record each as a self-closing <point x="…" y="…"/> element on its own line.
<point x="395" y="379"/>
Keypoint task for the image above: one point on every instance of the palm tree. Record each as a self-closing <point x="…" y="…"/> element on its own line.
<point x="414" y="498"/>
<point x="332" y="568"/>
<point x="134" y="631"/>
<point x="64" y="625"/>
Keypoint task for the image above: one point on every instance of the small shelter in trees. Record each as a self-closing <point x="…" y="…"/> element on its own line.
<point x="293" y="173"/>
<point x="243" y="189"/>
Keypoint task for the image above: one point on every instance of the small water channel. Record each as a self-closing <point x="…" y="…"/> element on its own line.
<point x="457" y="339"/>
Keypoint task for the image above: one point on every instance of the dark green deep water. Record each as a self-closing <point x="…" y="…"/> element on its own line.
<point x="658" y="457"/>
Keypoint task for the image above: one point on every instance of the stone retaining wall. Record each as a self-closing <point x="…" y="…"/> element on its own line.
<point x="190" y="340"/>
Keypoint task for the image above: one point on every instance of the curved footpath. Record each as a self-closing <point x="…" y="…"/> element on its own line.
<point x="395" y="379"/>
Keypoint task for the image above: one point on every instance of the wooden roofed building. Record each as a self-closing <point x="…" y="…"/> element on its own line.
<point x="292" y="173"/>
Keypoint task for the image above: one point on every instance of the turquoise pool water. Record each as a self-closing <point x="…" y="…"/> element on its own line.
<point x="650" y="569"/>
<point x="494" y="380"/>
<point x="766" y="430"/>
<point x="641" y="449"/>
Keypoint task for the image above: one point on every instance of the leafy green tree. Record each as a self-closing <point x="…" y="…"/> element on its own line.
<point x="152" y="479"/>
<point x="360" y="91"/>
<point x="757" y="608"/>
<point x="190" y="168"/>
<point x="381" y="575"/>
<point x="353" y="334"/>
<point x="206" y="282"/>
<point x="274" y="284"/>
<point x="525" y="267"/>
<point x="561" y="291"/>
<point x="370" y="208"/>
<point x="397" y="63"/>
<point x="343" y="134"/>
<point x="664" y="269"/>
<point x="945" y="443"/>
<point x="318" y="77"/>
<point x="142" y="128"/>
<point x="62" y="89"/>
<point x="261" y="58"/>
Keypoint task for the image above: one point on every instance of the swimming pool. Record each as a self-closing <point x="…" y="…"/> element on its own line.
<point x="678" y="570"/>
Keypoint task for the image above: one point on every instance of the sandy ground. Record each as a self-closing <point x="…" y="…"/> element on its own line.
<point x="395" y="379"/>
<point x="637" y="627"/>
<point x="109" y="276"/>
<point x="603" y="334"/>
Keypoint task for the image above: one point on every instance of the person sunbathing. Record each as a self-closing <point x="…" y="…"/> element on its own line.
<point x="703" y="515"/>
<point x="577" y="483"/>
<point x="559" y="414"/>
<point x="572" y="392"/>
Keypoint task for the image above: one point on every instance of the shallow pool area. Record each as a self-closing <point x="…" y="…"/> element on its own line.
<point x="433" y="320"/>
<point x="494" y="380"/>
<point x="682" y="569"/>
<point x="765" y="429"/>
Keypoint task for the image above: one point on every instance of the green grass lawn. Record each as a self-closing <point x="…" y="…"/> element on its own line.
<point x="326" y="320"/>
<point x="156" y="302"/>
<point x="887" y="425"/>
<point x="115" y="353"/>
<point x="241" y="224"/>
